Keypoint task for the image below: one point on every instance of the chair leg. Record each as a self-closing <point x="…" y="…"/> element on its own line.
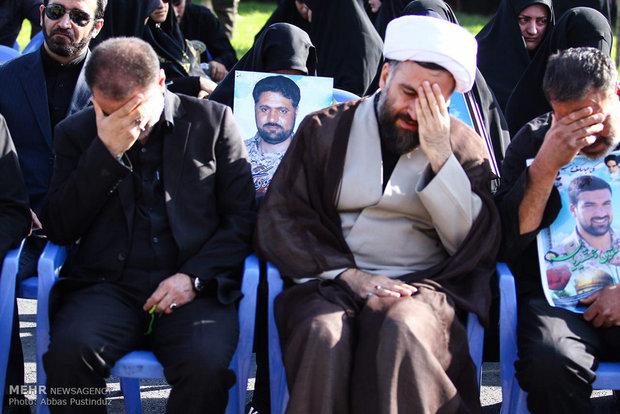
<point x="277" y="375"/>
<point x="130" y="387"/>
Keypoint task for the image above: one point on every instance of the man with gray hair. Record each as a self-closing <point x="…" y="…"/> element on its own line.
<point x="157" y="189"/>
<point x="381" y="220"/>
<point x="558" y="349"/>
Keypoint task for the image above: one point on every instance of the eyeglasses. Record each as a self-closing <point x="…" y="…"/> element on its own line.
<point x="174" y="2"/>
<point x="57" y="11"/>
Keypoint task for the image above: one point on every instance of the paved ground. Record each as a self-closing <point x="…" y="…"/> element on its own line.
<point x="155" y="393"/>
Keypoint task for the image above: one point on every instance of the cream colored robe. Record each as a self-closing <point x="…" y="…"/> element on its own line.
<point x="418" y="221"/>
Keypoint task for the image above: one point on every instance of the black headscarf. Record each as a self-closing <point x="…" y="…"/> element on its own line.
<point x="125" y="18"/>
<point x="349" y="49"/>
<point x="175" y="56"/>
<point x="578" y="27"/>
<point x="607" y="8"/>
<point x="502" y="53"/>
<point x="492" y="116"/>
<point x="281" y="46"/>
<point x="389" y="10"/>
<point x="286" y="12"/>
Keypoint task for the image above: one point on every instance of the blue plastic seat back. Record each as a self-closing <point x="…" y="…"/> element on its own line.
<point x="340" y="95"/>
<point x="7" y="53"/>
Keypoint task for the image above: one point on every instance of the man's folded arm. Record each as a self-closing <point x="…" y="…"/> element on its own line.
<point x="80" y="186"/>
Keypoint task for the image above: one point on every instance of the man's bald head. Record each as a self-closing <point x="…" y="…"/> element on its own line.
<point x="119" y="66"/>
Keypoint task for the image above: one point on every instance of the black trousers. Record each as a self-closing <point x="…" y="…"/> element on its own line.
<point x="558" y="354"/>
<point x="98" y="324"/>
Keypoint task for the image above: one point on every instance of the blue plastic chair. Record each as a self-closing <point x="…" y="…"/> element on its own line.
<point x="7" y="53"/>
<point x="340" y="95"/>
<point x="27" y="289"/>
<point x="277" y="376"/>
<point x="8" y="278"/>
<point x="34" y="44"/>
<point x="514" y="399"/>
<point x="143" y="364"/>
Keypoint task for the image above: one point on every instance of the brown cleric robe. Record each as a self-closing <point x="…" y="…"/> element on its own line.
<point x="300" y="231"/>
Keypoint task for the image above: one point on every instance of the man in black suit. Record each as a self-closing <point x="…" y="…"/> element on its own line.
<point x="157" y="189"/>
<point x="40" y="89"/>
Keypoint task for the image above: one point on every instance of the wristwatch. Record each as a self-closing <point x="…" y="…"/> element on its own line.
<point x="197" y="284"/>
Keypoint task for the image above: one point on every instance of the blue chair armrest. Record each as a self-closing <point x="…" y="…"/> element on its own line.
<point x="242" y="359"/>
<point x="277" y="377"/>
<point x="50" y="263"/>
<point x="475" y="339"/>
<point x="8" y="279"/>
<point x="507" y="333"/>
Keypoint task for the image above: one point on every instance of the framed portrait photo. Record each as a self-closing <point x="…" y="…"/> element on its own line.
<point x="268" y="108"/>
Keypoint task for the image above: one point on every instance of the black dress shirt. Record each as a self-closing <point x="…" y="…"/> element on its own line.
<point x="153" y="252"/>
<point x="60" y="81"/>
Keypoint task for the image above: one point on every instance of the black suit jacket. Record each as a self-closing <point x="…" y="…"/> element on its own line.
<point x="209" y="196"/>
<point x="23" y="102"/>
<point x="15" y="216"/>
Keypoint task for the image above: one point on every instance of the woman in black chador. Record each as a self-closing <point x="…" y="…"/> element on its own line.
<point x="348" y="47"/>
<point x="503" y="53"/>
<point x="183" y="72"/>
<point x="282" y="48"/>
<point x="492" y="116"/>
<point x="578" y="27"/>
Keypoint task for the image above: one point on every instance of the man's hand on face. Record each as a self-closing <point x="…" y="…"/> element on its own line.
<point x="119" y="130"/>
<point x="433" y="125"/>
<point x="567" y="136"/>
<point x="176" y="289"/>
<point x="363" y="283"/>
<point x="603" y="307"/>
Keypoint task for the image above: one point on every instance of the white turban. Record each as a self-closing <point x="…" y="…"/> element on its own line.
<point x="428" y="39"/>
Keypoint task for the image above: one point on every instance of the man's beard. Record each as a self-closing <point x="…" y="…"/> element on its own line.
<point x="64" y="49"/>
<point x="397" y="140"/>
<point x="598" y="229"/>
<point x="273" y="138"/>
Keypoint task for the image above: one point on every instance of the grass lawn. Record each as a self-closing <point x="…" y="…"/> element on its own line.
<point x="253" y="15"/>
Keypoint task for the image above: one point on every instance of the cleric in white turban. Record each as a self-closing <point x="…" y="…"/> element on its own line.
<point x="381" y="220"/>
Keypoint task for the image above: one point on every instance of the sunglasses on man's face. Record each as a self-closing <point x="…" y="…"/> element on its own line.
<point x="57" y="11"/>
